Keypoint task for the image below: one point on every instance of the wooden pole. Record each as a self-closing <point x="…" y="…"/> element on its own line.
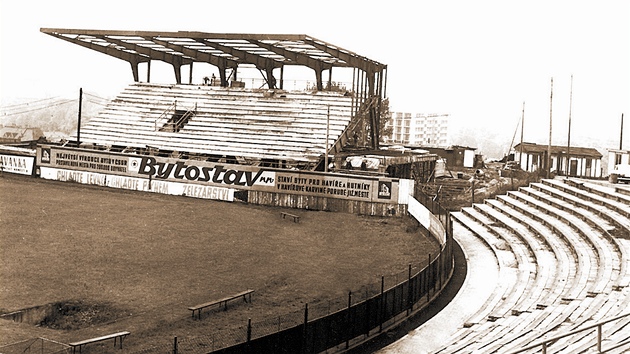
<point x="569" y="130"/>
<point x="621" y="134"/>
<point x="548" y="160"/>
<point x="327" y="135"/>
<point x="79" y="118"/>
<point x="520" y="159"/>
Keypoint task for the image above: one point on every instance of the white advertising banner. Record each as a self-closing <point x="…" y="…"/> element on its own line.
<point x="139" y="184"/>
<point x="19" y="164"/>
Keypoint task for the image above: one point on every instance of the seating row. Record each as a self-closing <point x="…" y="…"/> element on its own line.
<point x="237" y="122"/>
<point x="562" y="264"/>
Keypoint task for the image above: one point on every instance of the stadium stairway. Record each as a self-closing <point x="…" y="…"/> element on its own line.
<point x="240" y="122"/>
<point x="561" y="255"/>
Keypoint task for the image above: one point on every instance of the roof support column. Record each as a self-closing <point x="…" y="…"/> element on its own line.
<point x="271" y="80"/>
<point x="318" y="78"/>
<point x="330" y="78"/>
<point x="282" y="77"/>
<point x="134" y="70"/>
<point x="178" y="74"/>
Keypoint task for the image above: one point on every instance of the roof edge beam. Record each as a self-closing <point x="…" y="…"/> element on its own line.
<point x="129" y="57"/>
<point x="152" y="53"/>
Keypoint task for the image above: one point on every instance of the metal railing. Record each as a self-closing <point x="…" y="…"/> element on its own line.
<point x="544" y="344"/>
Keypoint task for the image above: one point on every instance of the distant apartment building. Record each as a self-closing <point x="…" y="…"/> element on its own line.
<point x="418" y="129"/>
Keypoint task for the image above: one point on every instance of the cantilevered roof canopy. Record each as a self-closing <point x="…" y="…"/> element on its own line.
<point x="224" y="50"/>
<point x="229" y="50"/>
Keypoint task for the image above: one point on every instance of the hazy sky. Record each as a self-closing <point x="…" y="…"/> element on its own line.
<point x="475" y="60"/>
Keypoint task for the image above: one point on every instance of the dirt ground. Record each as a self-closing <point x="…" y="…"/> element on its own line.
<point x="136" y="261"/>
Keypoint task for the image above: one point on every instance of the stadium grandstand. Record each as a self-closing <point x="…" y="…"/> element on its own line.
<point x="220" y="117"/>
<point x="547" y="267"/>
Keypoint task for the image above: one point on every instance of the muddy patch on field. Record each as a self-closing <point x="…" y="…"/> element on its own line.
<point x="65" y="315"/>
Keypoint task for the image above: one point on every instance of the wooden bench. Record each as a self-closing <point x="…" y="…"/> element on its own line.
<point x="115" y="336"/>
<point x="296" y="218"/>
<point x="223" y="301"/>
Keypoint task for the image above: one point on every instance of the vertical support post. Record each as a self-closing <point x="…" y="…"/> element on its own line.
<point x="520" y="159"/>
<point x="382" y="309"/>
<point x="348" y="324"/>
<point x="548" y="160"/>
<point x="249" y="330"/>
<point x="569" y="131"/>
<point x="327" y="136"/>
<point x="544" y="348"/>
<point x="304" y="332"/>
<point x="190" y="73"/>
<point x="175" y="345"/>
<point x="149" y="71"/>
<point x="79" y="118"/>
<point x="621" y="134"/>
<point x="428" y="274"/>
<point x="599" y="338"/>
<point x="409" y="292"/>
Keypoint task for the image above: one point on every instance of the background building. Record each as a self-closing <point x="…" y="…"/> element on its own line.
<point x="583" y="162"/>
<point x="418" y="129"/>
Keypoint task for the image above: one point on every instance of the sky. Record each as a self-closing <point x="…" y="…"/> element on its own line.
<point x="478" y="61"/>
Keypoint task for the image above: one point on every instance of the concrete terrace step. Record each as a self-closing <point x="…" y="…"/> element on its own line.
<point x="607" y="191"/>
<point x="589" y="194"/>
<point x="490" y="331"/>
<point x="532" y="278"/>
<point x="510" y="261"/>
<point x="592" y="236"/>
<point x="604" y="300"/>
<point x="586" y="271"/>
<point x="475" y="292"/>
<point x="580" y="274"/>
<point x="617" y="220"/>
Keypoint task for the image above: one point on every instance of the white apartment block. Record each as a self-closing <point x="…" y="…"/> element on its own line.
<point x="418" y="129"/>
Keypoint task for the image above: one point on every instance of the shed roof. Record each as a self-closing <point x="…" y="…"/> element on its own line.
<point x="556" y="149"/>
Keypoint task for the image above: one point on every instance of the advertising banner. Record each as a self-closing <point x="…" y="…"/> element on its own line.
<point x="337" y="186"/>
<point x="19" y="164"/>
<point x="138" y="184"/>
<point x="197" y="173"/>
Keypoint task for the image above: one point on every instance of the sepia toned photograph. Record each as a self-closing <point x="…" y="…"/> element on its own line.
<point x="355" y="177"/>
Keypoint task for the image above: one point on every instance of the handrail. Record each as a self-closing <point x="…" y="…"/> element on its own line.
<point x="172" y="107"/>
<point x="544" y="343"/>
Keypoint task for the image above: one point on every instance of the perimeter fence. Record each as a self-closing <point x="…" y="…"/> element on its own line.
<point x="337" y="325"/>
<point x="36" y="345"/>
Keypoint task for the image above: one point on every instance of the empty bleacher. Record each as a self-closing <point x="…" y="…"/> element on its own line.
<point x="562" y="249"/>
<point x="267" y="124"/>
